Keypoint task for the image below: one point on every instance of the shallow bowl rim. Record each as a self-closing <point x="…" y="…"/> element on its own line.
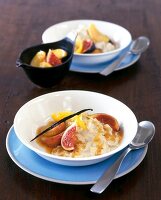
<point x="51" y="156"/>
<point x="92" y="20"/>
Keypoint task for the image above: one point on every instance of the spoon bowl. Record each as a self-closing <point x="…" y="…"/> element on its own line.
<point x="138" y="46"/>
<point x="145" y="134"/>
<point x="47" y="77"/>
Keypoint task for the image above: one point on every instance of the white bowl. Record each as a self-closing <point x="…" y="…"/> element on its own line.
<point x="34" y="113"/>
<point x="117" y="33"/>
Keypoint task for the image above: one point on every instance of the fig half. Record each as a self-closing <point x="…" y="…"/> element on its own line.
<point x="88" y="46"/>
<point x="68" y="139"/>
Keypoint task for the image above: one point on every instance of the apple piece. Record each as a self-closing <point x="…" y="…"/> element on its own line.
<point x="38" y="58"/>
<point x="52" y="141"/>
<point x="45" y="65"/>
<point x="78" y="46"/>
<point x="56" y="130"/>
<point x="60" y="53"/>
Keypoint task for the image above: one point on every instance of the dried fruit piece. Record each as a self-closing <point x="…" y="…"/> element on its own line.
<point x="107" y="119"/>
<point x="88" y="46"/>
<point x="38" y="58"/>
<point x="68" y="139"/>
<point x="96" y="35"/>
<point x="52" y="58"/>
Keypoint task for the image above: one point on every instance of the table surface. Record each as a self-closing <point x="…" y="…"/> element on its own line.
<point x="139" y="86"/>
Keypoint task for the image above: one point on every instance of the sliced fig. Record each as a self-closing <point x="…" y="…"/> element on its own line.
<point x="52" y="141"/>
<point x="88" y="46"/>
<point x="69" y="138"/>
<point x="56" y="130"/>
<point x="60" y="53"/>
<point x="107" y="119"/>
<point x="52" y="58"/>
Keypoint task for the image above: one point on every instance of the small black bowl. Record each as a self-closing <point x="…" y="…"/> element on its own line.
<point x="47" y="77"/>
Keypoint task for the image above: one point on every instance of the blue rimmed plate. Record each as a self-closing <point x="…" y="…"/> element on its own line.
<point x="127" y="62"/>
<point x="41" y="168"/>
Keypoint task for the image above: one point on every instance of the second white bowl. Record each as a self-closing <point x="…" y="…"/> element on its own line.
<point x="117" y="33"/>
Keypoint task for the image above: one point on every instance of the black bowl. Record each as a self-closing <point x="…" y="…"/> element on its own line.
<point x="46" y="77"/>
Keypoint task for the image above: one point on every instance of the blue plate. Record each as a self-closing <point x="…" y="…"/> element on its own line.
<point x="127" y="62"/>
<point x="35" y="165"/>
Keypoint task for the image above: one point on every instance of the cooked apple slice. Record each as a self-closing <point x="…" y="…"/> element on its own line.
<point x="78" y="46"/>
<point x="60" y="53"/>
<point x="52" y="141"/>
<point x="45" y="65"/>
<point x="56" y="130"/>
<point x="38" y="58"/>
<point x="52" y="138"/>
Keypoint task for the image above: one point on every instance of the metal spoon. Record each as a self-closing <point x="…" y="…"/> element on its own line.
<point x="145" y="133"/>
<point x="138" y="46"/>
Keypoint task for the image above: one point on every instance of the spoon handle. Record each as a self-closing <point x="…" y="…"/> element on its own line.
<point x="110" y="68"/>
<point x="109" y="174"/>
